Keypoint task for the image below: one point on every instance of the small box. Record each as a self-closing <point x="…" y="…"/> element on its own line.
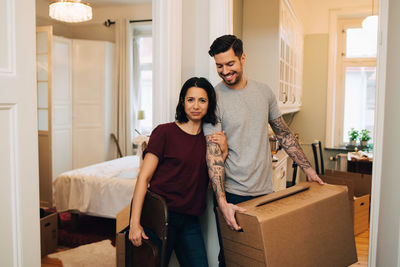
<point x="305" y="225"/>
<point x="359" y="188"/>
<point x="48" y="233"/>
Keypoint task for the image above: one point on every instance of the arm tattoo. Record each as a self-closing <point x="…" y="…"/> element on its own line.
<point x="216" y="167"/>
<point x="289" y="142"/>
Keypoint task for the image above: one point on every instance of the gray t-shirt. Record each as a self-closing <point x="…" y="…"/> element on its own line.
<point x="244" y="115"/>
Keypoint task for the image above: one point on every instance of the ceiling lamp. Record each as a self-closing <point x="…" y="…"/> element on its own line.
<point x="70" y="11"/>
<point x="371" y="22"/>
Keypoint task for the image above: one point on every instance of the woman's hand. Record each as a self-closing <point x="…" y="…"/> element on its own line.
<point x="220" y="139"/>
<point x="136" y="233"/>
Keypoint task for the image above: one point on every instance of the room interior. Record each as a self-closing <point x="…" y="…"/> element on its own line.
<point x="309" y="121"/>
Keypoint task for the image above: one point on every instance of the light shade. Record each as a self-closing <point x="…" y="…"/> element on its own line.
<point x="70" y="11"/>
<point x="370" y="23"/>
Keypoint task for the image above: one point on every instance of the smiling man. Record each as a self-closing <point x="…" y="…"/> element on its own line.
<point x="245" y="107"/>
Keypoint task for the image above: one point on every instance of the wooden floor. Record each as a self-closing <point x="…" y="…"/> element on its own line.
<point x="361" y="244"/>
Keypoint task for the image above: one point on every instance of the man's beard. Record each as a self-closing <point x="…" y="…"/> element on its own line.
<point x="234" y="81"/>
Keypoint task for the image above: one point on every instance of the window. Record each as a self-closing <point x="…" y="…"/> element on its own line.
<point x="142" y="79"/>
<point x="354" y="97"/>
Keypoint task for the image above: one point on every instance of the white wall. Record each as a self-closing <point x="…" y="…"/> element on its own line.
<point x="388" y="243"/>
<point x="314" y="14"/>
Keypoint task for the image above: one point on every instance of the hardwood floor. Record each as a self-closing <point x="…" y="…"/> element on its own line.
<point x="361" y="244"/>
<point x="47" y="262"/>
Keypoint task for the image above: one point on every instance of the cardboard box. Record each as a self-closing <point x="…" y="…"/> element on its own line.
<point x="304" y="225"/>
<point x="48" y="233"/>
<point x="359" y="189"/>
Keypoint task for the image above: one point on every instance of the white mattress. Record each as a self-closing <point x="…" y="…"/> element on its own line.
<point x="102" y="189"/>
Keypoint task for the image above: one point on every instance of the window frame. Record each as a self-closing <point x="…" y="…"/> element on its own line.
<point x="140" y="30"/>
<point x="336" y="82"/>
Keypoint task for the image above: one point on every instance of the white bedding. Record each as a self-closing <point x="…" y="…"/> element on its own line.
<point x="101" y="190"/>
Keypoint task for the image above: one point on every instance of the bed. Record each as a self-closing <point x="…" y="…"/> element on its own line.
<point x="99" y="190"/>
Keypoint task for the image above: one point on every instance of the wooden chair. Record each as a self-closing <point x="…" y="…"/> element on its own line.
<point x="318" y="160"/>
<point x="154" y="217"/>
<point x="117" y="143"/>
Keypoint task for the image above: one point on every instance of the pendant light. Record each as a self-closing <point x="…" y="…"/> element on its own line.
<point x="371" y="22"/>
<point x="71" y="11"/>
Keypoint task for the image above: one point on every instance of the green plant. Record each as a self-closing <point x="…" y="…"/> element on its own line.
<point x="364" y="135"/>
<point x="353" y="134"/>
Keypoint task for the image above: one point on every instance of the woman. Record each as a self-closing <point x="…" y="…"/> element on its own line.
<point x="175" y="166"/>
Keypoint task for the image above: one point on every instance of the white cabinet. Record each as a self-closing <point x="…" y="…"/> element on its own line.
<point x="273" y="43"/>
<point x="279" y="171"/>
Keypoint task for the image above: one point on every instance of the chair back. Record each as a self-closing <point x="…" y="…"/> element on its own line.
<point x="154" y="217"/>
<point x="319" y="160"/>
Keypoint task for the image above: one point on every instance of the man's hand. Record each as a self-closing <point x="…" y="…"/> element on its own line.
<point x="228" y="211"/>
<point x="312" y="176"/>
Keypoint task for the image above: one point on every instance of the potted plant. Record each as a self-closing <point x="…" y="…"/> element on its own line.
<point x="353" y="134"/>
<point x="364" y="137"/>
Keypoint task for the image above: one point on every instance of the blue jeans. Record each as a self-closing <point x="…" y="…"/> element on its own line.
<point x="185" y="238"/>
<point x="234" y="199"/>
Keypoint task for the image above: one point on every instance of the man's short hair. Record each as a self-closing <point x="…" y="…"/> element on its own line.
<point x="224" y="43"/>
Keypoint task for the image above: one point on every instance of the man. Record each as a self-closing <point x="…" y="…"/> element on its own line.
<point x="245" y="107"/>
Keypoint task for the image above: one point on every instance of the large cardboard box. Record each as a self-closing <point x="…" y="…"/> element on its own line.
<point x="359" y="189"/>
<point x="304" y="225"/>
<point x="48" y="233"/>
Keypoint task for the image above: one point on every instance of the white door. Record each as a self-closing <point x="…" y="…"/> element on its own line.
<point x="19" y="182"/>
<point x="62" y="105"/>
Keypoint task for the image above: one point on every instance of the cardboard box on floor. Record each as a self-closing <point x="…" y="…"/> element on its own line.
<point x="48" y="233"/>
<point x="359" y="189"/>
<point x="308" y="228"/>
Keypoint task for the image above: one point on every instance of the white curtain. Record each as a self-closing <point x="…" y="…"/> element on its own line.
<point x="220" y="23"/>
<point x="123" y="70"/>
<point x="167" y="56"/>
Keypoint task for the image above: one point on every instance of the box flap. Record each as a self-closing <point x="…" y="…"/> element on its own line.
<point x="362" y="182"/>
<point x="337" y="180"/>
<point x="123" y="218"/>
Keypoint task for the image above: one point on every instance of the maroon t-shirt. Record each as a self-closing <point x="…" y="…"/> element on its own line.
<point x="181" y="176"/>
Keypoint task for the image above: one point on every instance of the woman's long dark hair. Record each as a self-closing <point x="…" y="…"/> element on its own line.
<point x="203" y="83"/>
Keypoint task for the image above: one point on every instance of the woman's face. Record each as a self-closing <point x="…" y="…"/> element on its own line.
<point x="196" y="103"/>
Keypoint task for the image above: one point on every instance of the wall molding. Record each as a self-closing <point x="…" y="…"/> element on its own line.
<point x="9" y="163"/>
<point x="7" y="38"/>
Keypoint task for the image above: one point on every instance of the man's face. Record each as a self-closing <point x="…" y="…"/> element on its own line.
<point x="230" y="67"/>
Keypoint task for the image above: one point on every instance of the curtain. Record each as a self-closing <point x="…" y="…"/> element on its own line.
<point x="123" y="70"/>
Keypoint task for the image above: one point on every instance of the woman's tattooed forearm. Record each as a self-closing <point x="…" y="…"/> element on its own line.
<point x="289" y="142"/>
<point x="216" y="167"/>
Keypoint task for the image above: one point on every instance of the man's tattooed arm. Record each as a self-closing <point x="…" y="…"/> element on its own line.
<point x="292" y="147"/>
<point x="289" y="142"/>
<point x="216" y="167"/>
<point x="216" y="171"/>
